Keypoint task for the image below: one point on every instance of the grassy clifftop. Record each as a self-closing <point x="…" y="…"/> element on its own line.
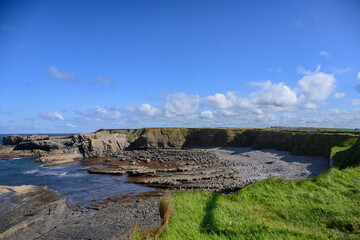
<point x="348" y="156"/>
<point x="326" y="207"/>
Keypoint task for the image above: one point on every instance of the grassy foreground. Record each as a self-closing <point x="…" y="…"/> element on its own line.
<point x="325" y="207"/>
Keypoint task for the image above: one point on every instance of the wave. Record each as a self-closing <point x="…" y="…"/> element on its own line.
<point x="52" y="173"/>
<point x="11" y="159"/>
<point x="76" y="175"/>
<point x="31" y="171"/>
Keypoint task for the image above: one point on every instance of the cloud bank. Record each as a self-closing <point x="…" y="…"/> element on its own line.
<point x="270" y="103"/>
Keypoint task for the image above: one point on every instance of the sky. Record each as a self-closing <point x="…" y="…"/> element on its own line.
<point x="78" y="66"/>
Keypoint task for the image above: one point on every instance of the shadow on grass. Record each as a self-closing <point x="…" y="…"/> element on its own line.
<point x="208" y="225"/>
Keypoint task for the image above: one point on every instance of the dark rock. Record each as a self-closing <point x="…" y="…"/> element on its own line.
<point x="16" y="139"/>
<point x="26" y="206"/>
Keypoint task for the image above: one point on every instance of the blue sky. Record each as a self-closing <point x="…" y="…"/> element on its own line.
<point x="77" y="66"/>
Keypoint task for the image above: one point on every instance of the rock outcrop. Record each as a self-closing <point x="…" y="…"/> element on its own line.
<point x="16" y="139"/>
<point x="64" y="149"/>
<point x="100" y="144"/>
<point x="26" y="212"/>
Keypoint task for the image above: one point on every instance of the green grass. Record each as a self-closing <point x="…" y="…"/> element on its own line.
<point x="349" y="156"/>
<point x="176" y="134"/>
<point x="138" y="133"/>
<point x="325" y="207"/>
<point x="344" y="146"/>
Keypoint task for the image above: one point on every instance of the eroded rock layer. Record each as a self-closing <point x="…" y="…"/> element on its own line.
<point x="26" y="212"/>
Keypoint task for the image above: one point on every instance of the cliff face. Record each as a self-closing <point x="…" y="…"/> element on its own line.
<point x="111" y="142"/>
<point x="100" y="144"/>
<point x="303" y="143"/>
<point x="66" y="149"/>
<point x="308" y="144"/>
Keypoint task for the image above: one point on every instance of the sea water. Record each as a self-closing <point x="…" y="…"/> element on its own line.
<point x="78" y="186"/>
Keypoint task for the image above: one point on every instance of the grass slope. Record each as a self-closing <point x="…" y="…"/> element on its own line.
<point x="325" y="207"/>
<point x="348" y="157"/>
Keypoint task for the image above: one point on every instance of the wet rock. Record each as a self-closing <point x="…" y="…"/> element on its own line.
<point x="8" y="152"/>
<point x="138" y="170"/>
<point x="26" y="212"/>
<point x="186" y="168"/>
<point x="58" y="158"/>
<point x="108" y="170"/>
<point x="112" y="222"/>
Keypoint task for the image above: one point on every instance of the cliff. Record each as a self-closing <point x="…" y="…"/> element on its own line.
<point x="111" y="142"/>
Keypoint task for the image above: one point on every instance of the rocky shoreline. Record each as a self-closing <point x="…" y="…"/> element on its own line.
<point x="171" y="169"/>
<point x="27" y="212"/>
<point x="33" y="212"/>
<point x="159" y="160"/>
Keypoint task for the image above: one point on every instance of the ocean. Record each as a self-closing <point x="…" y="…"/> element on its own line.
<point x="78" y="186"/>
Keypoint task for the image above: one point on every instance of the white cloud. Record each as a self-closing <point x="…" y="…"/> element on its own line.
<point x="264" y="107"/>
<point x="29" y="119"/>
<point x="356" y="102"/>
<point x="358" y="86"/>
<point x="148" y="109"/>
<point x="181" y="104"/>
<point x="98" y="113"/>
<point x="102" y="80"/>
<point x="324" y="53"/>
<point x="207" y="114"/>
<point x="220" y="101"/>
<point x="277" y="95"/>
<point x="62" y="76"/>
<point x="301" y="70"/>
<point x="338" y="71"/>
<point x="55" y="116"/>
<point x="315" y="87"/>
<point x="70" y="125"/>
<point x="311" y="91"/>
<point x="231" y="104"/>
<point x="339" y="95"/>
<point x="107" y="113"/>
<point x="334" y="111"/>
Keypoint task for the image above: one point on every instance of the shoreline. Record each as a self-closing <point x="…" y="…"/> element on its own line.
<point x="121" y="212"/>
<point x="173" y="159"/>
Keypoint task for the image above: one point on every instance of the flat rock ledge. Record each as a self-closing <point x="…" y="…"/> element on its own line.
<point x="27" y="212"/>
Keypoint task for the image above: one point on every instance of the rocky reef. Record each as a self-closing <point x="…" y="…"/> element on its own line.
<point x="170" y="168"/>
